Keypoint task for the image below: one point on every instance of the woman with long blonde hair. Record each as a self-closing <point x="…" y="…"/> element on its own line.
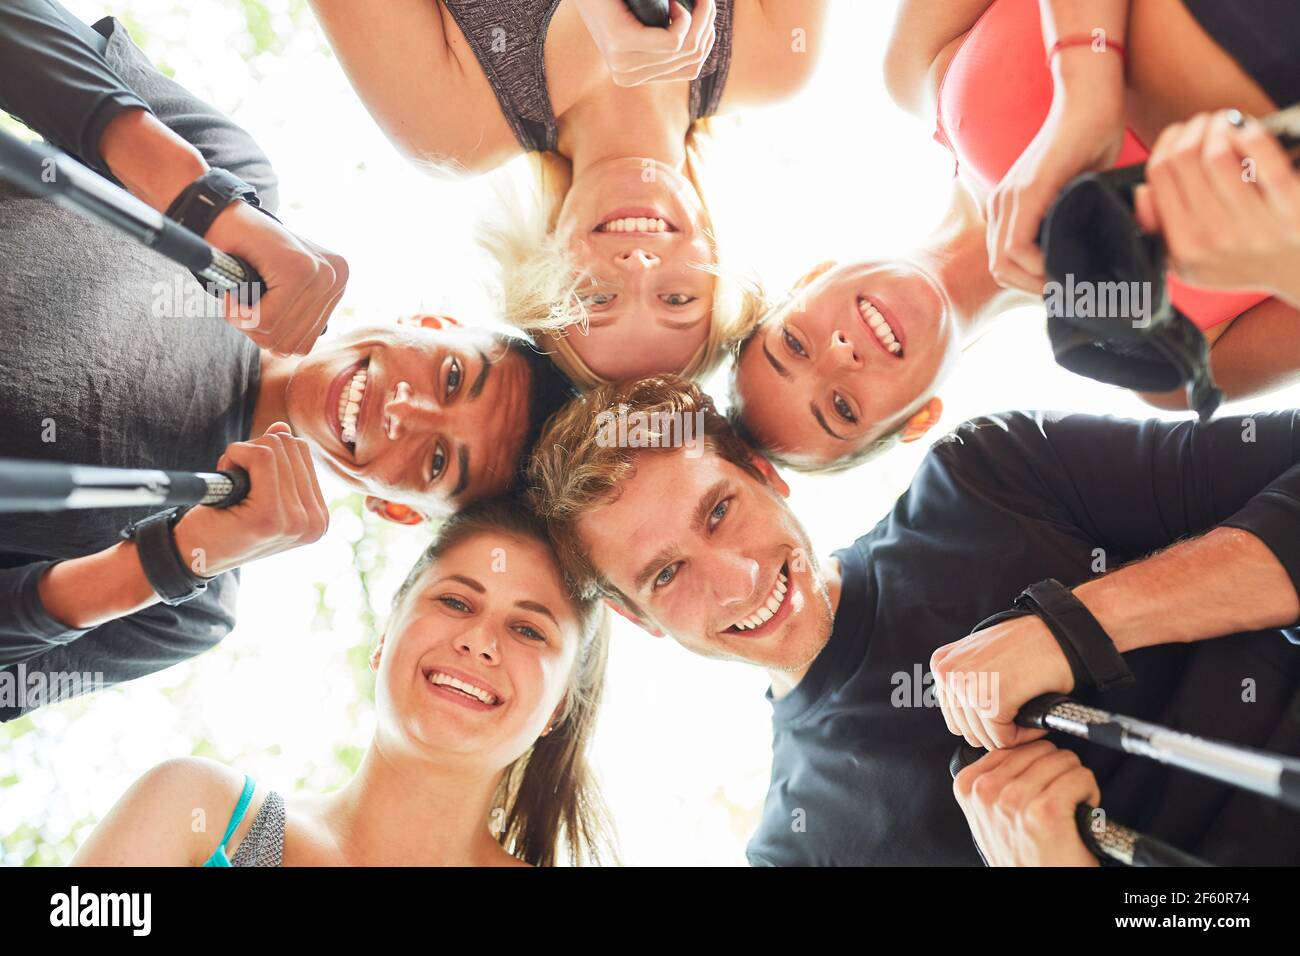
<point x="615" y="258"/>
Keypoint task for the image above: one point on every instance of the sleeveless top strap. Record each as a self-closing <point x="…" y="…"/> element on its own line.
<point x="219" y="857"/>
<point x="508" y="38"/>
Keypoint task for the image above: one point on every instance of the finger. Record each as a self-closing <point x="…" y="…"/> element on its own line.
<point x="1276" y="178"/>
<point x="963" y="783"/>
<point x="1031" y="778"/>
<point x="309" y="491"/>
<point x="315" y="310"/>
<point x="1166" y="193"/>
<point x="1188" y="168"/>
<point x="1022" y="238"/>
<point x="1145" y="205"/>
<point x="259" y="461"/>
<point x="1244" y="204"/>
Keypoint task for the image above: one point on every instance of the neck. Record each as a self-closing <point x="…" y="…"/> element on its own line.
<point x="272" y="403"/>
<point x="596" y="128"/>
<point x="785" y="681"/>
<point x="403" y="811"/>
<point x="956" y="256"/>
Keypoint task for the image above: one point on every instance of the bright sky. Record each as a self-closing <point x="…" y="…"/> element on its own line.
<point x="683" y="744"/>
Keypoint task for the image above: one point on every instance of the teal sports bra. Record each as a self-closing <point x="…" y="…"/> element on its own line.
<point x="219" y="857"/>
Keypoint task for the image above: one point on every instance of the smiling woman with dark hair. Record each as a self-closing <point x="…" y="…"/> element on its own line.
<point x="488" y="679"/>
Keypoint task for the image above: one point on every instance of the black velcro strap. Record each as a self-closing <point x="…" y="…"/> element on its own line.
<point x="1094" y="661"/>
<point x="203" y="200"/>
<point x="155" y="547"/>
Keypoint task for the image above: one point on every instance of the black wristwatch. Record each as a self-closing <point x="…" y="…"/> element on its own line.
<point x="204" y="199"/>
<point x="155" y="545"/>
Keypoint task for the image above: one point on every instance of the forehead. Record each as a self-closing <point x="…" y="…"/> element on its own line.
<point x="652" y="510"/>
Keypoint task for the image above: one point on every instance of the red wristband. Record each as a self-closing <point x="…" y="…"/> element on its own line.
<point x="1089" y="41"/>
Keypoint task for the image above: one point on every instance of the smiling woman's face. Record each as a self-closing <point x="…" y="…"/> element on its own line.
<point x="641" y="243"/>
<point x="855" y="354"/>
<point x="478" y="655"/>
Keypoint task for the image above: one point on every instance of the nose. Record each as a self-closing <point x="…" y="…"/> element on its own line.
<point x="479" y="642"/>
<point x="841" y="352"/>
<point x="636" y="260"/>
<point x="734" y="578"/>
<point x="406" y="411"/>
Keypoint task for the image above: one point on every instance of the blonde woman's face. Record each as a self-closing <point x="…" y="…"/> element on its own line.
<point x="478" y="656"/>
<point x="637" y="229"/>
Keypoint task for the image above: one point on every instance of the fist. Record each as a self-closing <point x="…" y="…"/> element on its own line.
<point x="282" y="510"/>
<point x="636" y="53"/>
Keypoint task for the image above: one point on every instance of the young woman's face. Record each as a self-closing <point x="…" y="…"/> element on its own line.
<point x="478" y="656"/>
<point x="639" y="232"/>
<point x="856" y="353"/>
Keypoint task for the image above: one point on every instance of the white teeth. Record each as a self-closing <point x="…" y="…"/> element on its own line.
<point x="350" y="405"/>
<point x="880" y="326"/>
<point x="769" y="608"/>
<point x="437" y="678"/>
<point x="633" y="224"/>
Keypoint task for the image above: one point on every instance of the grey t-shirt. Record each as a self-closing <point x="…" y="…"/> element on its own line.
<point x="101" y="364"/>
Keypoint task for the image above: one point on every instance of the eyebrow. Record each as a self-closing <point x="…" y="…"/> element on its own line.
<point x="539" y="608"/>
<point x="698" y="519"/>
<point x="468" y="582"/>
<point x="477" y="388"/>
<point x="822" y="422"/>
<point x="462" y="478"/>
<point x="780" y="369"/>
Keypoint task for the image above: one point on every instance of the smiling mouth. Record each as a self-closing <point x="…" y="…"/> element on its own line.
<point x="769" y="615"/>
<point x="885" y="334"/>
<point x="461" y="690"/>
<point x="345" y="403"/>
<point x="638" y="220"/>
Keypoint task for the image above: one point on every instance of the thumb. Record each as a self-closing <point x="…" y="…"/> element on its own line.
<point x="279" y="428"/>
<point x="1147" y="215"/>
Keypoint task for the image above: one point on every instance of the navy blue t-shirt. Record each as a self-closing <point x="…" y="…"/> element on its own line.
<point x="860" y="753"/>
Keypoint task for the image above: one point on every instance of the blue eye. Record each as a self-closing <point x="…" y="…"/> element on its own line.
<point x="666" y="576"/>
<point x="454" y="375"/>
<point x="439" y="462"/>
<point x="529" y="633"/>
<point x="793" y="344"/>
<point x="456" y="604"/>
<point x="678" y="298"/>
<point x="843" y="410"/>
<point x="720" y="509"/>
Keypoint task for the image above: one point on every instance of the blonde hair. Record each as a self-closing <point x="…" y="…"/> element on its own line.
<point x="540" y="284"/>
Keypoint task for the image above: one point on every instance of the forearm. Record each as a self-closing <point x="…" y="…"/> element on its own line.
<point x="1090" y="71"/>
<point x="148" y="158"/>
<point x="86" y="592"/>
<point x="54" y="78"/>
<point x="1221" y="583"/>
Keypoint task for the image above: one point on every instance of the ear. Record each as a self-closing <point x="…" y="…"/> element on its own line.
<point x="772" y="476"/>
<point x="623" y="612"/>
<point x="815" y="273"/>
<point x="392" y="511"/>
<point x="922" y="421"/>
<point x="428" y="320"/>
<point x="377" y="653"/>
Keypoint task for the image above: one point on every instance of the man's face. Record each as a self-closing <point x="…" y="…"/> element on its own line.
<point x="430" y="418"/>
<point x="854" y="356"/>
<point x="642" y="242"/>
<point x="706" y="552"/>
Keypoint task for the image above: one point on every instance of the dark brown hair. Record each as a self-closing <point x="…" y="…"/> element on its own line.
<point x="549" y="794"/>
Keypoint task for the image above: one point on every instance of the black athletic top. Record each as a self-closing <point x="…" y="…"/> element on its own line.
<point x="509" y="39"/>
<point x="1263" y="36"/>
<point x="860" y="761"/>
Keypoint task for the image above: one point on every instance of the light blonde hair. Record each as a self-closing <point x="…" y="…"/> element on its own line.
<point x="540" y="284"/>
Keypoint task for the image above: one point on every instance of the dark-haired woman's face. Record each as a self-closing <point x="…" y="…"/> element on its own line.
<point x="478" y="655"/>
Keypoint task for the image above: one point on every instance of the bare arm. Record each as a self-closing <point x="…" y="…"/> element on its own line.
<point x="1259" y="352"/>
<point x="399" y="59"/>
<point x="923" y="30"/>
<point x="777" y="44"/>
<point x="174" y="815"/>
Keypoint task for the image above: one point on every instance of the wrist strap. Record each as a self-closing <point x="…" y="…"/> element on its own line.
<point x="204" y="199"/>
<point x="1094" y="661"/>
<point x="167" y="574"/>
<point x="1107" y="44"/>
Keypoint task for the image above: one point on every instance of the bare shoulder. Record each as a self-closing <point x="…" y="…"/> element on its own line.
<point x="921" y="44"/>
<point x="775" y="48"/>
<point x="166" y="818"/>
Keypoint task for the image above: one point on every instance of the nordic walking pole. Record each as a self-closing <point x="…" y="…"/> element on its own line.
<point x="1271" y="775"/>
<point x="44" y="171"/>
<point x="1103" y="837"/>
<point x="55" y="486"/>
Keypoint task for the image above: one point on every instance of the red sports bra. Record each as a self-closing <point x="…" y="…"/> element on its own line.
<point x="994" y="97"/>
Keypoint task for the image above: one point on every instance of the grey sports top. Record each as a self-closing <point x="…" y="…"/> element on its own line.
<point x="509" y="37"/>
<point x="263" y="844"/>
